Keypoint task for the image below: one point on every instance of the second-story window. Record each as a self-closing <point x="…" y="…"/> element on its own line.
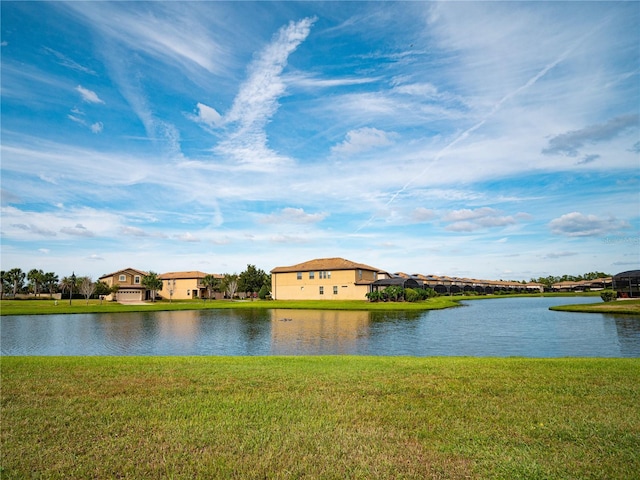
<point x="136" y="279"/>
<point x="312" y="275"/>
<point x="122" y="278"/>
<point x="299" y="275"/>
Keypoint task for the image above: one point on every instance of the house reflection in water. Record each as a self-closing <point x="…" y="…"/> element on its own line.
<point x="317" y="331"/>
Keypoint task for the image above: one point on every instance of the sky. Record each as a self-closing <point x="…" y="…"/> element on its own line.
<point x="492" y="140"/>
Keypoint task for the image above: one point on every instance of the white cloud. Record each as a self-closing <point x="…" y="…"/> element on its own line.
<point x="187" y="237"/>
<point x="88" y="95"/>
<point x="293" y="215"/>
<point x="363" y="139"/>
<point x="97" y="127"/>
<point x="576" y="224"/>
<point x="569" y="143"/>
<point x="467" y="220"/>
<point x="422" y="214"/>
<point x="78" y="230"/>
<point x="207" y="115"/>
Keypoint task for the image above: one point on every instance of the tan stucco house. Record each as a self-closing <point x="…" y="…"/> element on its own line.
<point x="129" y="282"/>
<point x="323" y="279"/>
<point x="186" y="285"/>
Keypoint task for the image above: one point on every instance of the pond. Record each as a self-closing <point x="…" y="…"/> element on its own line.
<point x="491" y="327"/>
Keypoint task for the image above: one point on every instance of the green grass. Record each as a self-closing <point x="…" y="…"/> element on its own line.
<point x="47" y="307"/>
<point x="319" y="417"/>
<point x="626" y="307"/>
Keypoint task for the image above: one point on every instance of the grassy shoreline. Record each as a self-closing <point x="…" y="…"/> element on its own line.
<point x="51" y="307"/>
<point x="621" y="307"/>
<point x="47" y="307"/>
<point x="319" y="417"/>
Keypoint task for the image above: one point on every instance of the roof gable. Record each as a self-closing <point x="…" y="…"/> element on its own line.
<point x="130" y="271"/>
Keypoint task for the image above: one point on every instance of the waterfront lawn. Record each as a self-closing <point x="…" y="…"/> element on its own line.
<point x="319" y="417"/>
<point x="51" y="307"/>
<point x="627" y="307"/>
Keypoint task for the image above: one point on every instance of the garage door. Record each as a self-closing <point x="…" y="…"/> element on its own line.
<point x="128" y="295"/>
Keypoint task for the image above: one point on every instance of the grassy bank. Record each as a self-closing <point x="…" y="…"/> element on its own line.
<point x="626" y="307"/>
<point x="319" y="417"/>
<point x="48" y="307"/>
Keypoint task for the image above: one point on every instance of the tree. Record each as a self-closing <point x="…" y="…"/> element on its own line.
<point x="87" y="287"/>
<point x="153" y="283"/>
<point x="102" y="288"/>
<point x="212" y="283"/>
<point x="67" y="285"/>
<point x="252" y="279"/>
<point x="36" y="278"/>
<point x="15" y="277"/>
<point x="264" y="292"/>
<point x="230" y="284"/>
<point x="50" y="282"/>
<point x="4" y="283"/>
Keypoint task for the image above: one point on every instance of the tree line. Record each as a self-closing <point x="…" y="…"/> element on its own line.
<point x="550" y="280"/>
<point x="15" y="281"/>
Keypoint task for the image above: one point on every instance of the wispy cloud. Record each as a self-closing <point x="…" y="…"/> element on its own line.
<point x="68" y="62"/>
<point x="88" y="96"/>
<point x="257" y="101"/>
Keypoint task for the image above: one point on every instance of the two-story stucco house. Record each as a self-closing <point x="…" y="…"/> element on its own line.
<point x="323" y="279"/>
<point x="129" y="282"/>
<point x="186" y="285"/>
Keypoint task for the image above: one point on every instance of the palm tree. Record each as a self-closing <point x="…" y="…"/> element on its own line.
<point x="49" y="281"/>
<point x="36" y="278"/>
<point x="211" y="282"/>
<point x="67" y="284"/>
<point x="16" y="277"/>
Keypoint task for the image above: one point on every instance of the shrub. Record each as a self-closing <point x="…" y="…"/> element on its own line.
<point x="264" y="292"/>
<point x="411" y="295"/>
<point x="608" y="295"/>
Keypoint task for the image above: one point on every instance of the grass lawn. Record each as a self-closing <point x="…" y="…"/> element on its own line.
<point x="46" y="307"/>
<point x="627" y="307"/>
<point x="319" y="417"/>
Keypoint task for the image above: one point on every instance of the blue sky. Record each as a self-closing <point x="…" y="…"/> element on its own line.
<point x="494" y="140"/>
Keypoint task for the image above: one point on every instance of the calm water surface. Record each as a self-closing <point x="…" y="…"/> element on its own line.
<point x="496" y="327"/>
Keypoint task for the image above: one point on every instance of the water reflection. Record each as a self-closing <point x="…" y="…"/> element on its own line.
<point x="502" y="327"/>
<point x="314" y="332"/>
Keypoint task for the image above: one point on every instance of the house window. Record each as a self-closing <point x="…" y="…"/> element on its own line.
<point x="321" y="290"/>
<point x="312" y="275"/>
<point x="122" y="278"/>
<point x="299" y="275"/>
<point x="328" y="274"/>
<point x="335" y="290"/>
<point x="136" y="279"/>
<point x="359" y="274"/>
<point x="325" y="274"/>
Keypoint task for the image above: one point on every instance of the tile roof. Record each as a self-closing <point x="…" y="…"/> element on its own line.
<point x="319" y="264"/>
<point x="187" y="274"/>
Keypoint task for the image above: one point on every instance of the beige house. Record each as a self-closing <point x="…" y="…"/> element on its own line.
<point x="129" y="282"/>
<point x="323" y="279"/>
<point x="186" y="285"/>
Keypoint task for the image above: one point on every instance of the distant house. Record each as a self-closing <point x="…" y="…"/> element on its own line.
<point x="186" y="285"/>
<point x="323" y="279"/>
<point x="129" y="282"/>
